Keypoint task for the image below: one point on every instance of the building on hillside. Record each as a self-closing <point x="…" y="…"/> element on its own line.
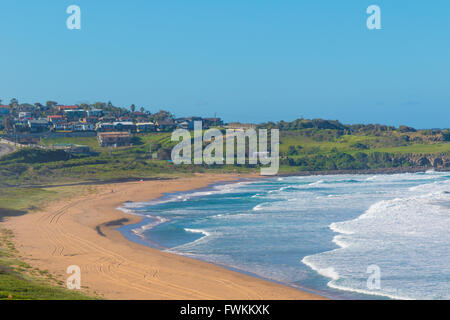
<point x="187" y="124"/>
<point x="165" y="125"/>
<point x="114" y="139"/>
<point x="75" y="114"/>
<point x="212" y="122"/>
<point x="24" y="115"/>
<point x="193" y="119"/>
<point x="56" y="118"/>
<point x="5" y="110"/>
<point x="20" y="126"/>
<point x="26" y="107"/>
<point x="95" y="113"/>
<point x="104" y="127"/>
<point x="78" y="126"/>
<point x="62" y="126"/>
<point x="90" y="119"/>
<point x="125" y="126"/>
<point x="40" y="125"/>
<point x="62" y="108"/>
<point x="145" y="127"/>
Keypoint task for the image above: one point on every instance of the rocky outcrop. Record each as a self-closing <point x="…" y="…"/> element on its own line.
<point x="427" y="160"/>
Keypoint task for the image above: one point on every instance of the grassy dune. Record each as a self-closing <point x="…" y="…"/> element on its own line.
<point x="19" y="280"/>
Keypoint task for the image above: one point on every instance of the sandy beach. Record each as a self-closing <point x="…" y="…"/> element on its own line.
<point x="82" y="231"/>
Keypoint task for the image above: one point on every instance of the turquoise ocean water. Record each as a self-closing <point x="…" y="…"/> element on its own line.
<point x="318" y="232"/>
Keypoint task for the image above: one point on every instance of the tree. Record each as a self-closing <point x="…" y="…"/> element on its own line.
<point x="162" y="115"/>
<point x="292" y="151"/>
<point x="446" y="135"/>
<point x="51" y="104"/>
<point x="132" y="107"/>
<point x="142" y="109"/>
<point x="14" y="102"/>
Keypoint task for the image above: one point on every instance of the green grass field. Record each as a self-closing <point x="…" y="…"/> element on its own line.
<point x="353" y="143"/>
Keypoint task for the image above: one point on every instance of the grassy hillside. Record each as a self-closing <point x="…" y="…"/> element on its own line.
<point x="301" y="149"/>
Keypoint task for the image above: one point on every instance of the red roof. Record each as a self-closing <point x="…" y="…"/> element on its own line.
<point x="4" y="107"/>
<point x="67" y="107"/>
<point x="55" y="117"/>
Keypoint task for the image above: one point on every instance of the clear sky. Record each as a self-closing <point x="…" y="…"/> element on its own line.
<point x="244" y="60"/>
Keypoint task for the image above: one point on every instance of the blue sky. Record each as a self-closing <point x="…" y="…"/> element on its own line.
<point x="244" y="60"/>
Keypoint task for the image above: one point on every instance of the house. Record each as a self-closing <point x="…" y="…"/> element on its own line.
<point x="78" y="126"/>
<point x="62" y="126"/>
<point x="95" y="113"/>
<point x="90" y="119"/>
<point x="104" y="126"/>
<point x="114" y="139"/>
<point x="165" y="125"/>
<point x="212" y="122"/>
<point x="21" y="126"/>
<point x="63" y="108"/>
<point x="193" y="119"/>
<point x="24" y="115"/>
<point x="187" y="124"/>
<point x="40" y="125"/>
<point x="75" y="114"/>
<point x="145" y="127"/>
<point x="56" y="118"/>
<point x="124" y="126"/>
<point x="107" y="118"/>
<point x="5" y="110"/>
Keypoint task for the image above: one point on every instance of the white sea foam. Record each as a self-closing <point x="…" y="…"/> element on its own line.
<point x="141" y="230"/>
<point x="326" y="272"/>
<point x="397" y="222"/>
<point x="258" y="207"/>
<point x="205" y="233"/>
<point x="407" y="237"/>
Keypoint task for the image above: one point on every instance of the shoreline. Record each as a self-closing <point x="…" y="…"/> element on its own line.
<point x="94" y="183"/>
<point x="83" y="231"/>
<point x="129" y="233"/>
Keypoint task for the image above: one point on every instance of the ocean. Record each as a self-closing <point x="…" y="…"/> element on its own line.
<point x="325" y="233"/>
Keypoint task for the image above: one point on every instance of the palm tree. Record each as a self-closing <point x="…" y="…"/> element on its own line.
<point x="14" y="102"/>
<point x="132" y="107"/>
